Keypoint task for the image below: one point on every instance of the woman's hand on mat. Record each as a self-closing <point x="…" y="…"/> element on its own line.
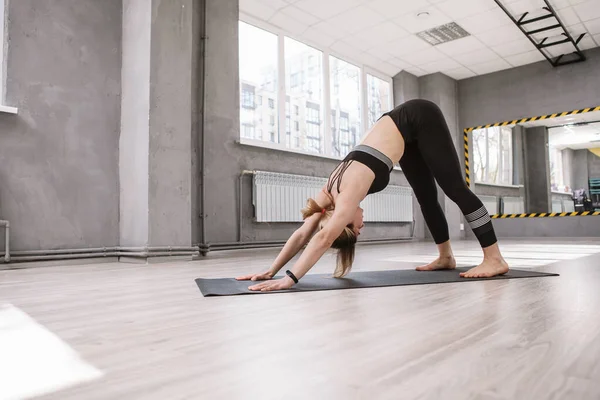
<point x="263" y="276"/>
<point x="277" y="284"/>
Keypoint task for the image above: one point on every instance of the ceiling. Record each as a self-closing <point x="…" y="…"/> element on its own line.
<point x="382" y="33"/>
<point x="575" y="137"/>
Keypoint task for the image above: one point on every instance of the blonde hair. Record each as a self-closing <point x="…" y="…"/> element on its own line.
<point x="344" y="243"/>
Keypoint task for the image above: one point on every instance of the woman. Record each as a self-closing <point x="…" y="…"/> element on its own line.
<point x="415" y="133"/>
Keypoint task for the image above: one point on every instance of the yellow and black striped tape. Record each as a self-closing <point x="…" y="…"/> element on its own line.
<point x="467" y="167"/>
<point x="522" y="121"/>
<point x="532" y="119"/>
<point x="547" y="215"/>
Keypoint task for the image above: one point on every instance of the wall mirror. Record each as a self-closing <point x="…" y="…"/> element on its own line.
<point x="546" y="166"/>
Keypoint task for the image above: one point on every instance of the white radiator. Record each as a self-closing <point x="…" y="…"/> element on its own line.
<point x="557" y="205"/>
<point x="568" y="205"/>
<point x="562" y="204"/>
<point x="280" y="197"/>
<point x="513" y="205"/>
<point x="490" y="203"/>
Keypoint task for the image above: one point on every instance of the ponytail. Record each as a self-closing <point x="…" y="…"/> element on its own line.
<point x="313" y="208"/>
<point x="345" y="243"/>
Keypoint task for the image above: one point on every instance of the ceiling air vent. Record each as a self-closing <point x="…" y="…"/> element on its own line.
<point x="443" y="34"/>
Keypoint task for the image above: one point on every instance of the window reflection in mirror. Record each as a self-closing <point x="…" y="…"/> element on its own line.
<point x="574" y="157"/>
<point x="547" y="165"/>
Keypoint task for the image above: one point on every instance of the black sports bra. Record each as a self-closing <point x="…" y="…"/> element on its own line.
<point x="378" y="162"/>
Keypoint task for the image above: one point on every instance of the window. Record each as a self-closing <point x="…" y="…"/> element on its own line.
<point x="313" y="127"/>
<point x="345" y="104"/>
<point x="561" y="161"/>
<point x="258" y="51"/>
<point x="3" y="42"/>
<point x="378" y="97"/>
<point x="247" y="94"/>
<point x="313" y="101"/>
<point x="344" y="123"/>
<point x="3" y="6"/>
<point x="248" y="130"/>
<point x="557" y="179"/>
<point x="305" y="92"/>
<point x="294" y="80"/>
<point x="493" y="156"/>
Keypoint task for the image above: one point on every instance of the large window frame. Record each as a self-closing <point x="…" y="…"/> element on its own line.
<point x="3" y="107"/>
<point x="327" y="137"/>
<point x="559" y="176"/>
<point x="499" y="159"/>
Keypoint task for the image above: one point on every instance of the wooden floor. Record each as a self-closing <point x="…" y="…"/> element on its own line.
<point x="153" y="335"/>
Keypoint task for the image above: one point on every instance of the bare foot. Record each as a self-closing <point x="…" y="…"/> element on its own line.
<point x="487" y="269"/>
<point x="440" y="263"/>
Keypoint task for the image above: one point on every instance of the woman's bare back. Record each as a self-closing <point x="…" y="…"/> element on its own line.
<point x="383" y="136"/>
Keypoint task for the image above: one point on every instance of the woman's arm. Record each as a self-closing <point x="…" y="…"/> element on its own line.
<point x="318" y="245"/>
<point x="297" y="241"/>
<point x="293" y="245"/>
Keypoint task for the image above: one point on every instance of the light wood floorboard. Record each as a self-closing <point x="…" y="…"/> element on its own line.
<point x="153" y="334"/>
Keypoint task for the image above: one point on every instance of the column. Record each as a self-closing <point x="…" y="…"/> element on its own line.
<point x="537" y="170"/>
<point x="155" y="156"/>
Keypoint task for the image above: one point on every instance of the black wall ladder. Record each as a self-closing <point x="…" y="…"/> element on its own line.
<point x="554" y="23"/>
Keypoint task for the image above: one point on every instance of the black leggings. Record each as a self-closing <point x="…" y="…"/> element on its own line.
<point x="431" y="156"/>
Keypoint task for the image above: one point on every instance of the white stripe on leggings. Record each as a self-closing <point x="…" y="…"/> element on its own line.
<point x="477" y="214"/>
<point x="480" y="222"/>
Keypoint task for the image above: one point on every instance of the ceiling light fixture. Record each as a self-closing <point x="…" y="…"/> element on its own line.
<point x="443" y="34"/>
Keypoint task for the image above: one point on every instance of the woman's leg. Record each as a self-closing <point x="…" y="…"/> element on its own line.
<point x="422" y="182"/>
<point x="438" y="151"/>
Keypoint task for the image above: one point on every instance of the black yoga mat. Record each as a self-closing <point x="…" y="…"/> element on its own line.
<point x="362" y="279"/>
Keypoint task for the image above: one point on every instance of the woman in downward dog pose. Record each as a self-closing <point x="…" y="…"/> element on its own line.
<point x="415" y="133"/>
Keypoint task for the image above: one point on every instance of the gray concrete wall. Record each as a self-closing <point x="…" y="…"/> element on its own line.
<point x="529" y="91"/>
<point x="537" y="170"/>
<point x="406" y="87"/>
<point x="567" y="227"/>
<point x="59" y="183"/>
<point x="580" y="170"/>
<point x="593" y="165"/>
<point x="518" y="156"/>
